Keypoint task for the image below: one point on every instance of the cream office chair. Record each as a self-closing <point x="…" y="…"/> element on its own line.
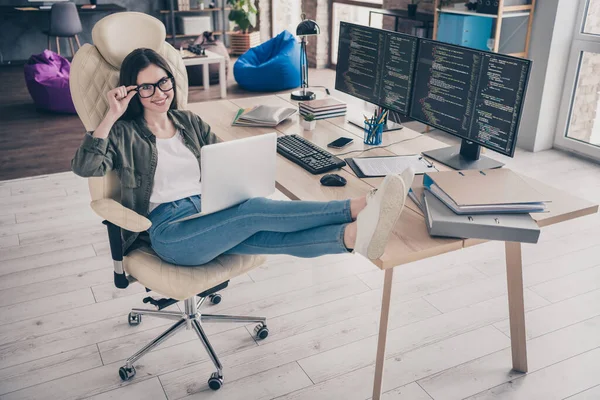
<point x="94" y="71"/>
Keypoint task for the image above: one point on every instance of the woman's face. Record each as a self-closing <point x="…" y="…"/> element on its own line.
<point x="154" y="78"/>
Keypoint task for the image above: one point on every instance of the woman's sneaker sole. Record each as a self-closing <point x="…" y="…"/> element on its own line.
<point x="392" y="203"/>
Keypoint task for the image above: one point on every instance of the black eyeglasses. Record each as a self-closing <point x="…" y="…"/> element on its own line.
<point x="146" y="90"/>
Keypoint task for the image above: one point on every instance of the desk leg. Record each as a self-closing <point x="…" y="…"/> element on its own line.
<point x="516" y="306"/>
<point x="383" y="327"/>
<point x="205" y="76"/>
<point x="223" y="79"/>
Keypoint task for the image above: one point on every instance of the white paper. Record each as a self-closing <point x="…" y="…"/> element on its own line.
<point x="381" y="166"/>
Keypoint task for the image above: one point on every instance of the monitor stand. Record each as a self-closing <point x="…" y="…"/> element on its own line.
<point x="465" y="156"/>
<point x="389" y="124"/>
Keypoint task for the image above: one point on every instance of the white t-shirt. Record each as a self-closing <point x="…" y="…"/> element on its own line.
<point x="177" y="174"/>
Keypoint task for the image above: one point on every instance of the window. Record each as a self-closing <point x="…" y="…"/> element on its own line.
<point x="285" y="15"/>
<point x="578" y="127"/>
<point x="357" y="12"/>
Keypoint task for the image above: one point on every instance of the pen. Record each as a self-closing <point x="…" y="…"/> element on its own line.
<point x="382" y="117"/>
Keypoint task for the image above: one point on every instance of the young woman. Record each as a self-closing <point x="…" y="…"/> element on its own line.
<point x="155" y="149"/>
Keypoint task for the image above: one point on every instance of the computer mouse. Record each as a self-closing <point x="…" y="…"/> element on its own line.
<point x="333" y="180"/>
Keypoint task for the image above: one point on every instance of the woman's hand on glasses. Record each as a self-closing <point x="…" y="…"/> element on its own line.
<point x="119" y="98"/>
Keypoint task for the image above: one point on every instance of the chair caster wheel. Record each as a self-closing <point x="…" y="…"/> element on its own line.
<point x="215" y="298"/>
<point x="215" y="381"/>
<point x="134" y="319"/>
<point x="261" y="331"/>
<point x="126" y="373"/>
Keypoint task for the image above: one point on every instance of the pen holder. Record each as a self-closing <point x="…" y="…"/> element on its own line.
<point x="373" y="133"/>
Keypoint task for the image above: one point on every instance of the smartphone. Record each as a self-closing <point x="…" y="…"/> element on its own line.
<point x="340" y="142"/>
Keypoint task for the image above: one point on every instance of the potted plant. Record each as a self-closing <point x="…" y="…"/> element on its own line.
<point x="243" y="14"/>
<point x="308" y="122"/>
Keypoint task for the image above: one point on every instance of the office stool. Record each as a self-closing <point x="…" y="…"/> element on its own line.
<point x="64" y="22"/>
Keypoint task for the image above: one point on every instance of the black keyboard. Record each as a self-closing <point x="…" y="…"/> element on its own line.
<point x="310" y="157"/>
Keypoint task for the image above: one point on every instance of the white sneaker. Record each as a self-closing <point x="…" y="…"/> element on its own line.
<point x="384" y="206"/>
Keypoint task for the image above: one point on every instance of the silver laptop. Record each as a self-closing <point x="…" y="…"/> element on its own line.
<point x="235" y="171"/>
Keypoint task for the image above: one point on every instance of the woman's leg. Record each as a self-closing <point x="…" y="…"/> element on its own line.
<point x="308" y="243"/>
<point x="199" y="240"/>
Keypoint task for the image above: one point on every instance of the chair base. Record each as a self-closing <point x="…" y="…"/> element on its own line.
<point x="191" y="318"/>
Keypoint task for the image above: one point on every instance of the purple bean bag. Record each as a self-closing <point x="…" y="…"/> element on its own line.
<point x="47" y="78"/>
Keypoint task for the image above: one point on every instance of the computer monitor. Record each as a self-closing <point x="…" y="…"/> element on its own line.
<point x="475" y="95"/>
<point x="377" y="66"/>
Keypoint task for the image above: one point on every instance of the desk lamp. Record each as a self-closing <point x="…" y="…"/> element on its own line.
<point x="305" y="28"/>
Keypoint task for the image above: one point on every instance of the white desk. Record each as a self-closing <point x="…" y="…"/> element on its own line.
<point x="211" y="58"/>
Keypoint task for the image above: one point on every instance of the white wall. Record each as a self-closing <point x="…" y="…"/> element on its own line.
<point x="554" y="22"/>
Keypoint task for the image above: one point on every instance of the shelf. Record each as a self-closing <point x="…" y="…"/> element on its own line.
<point x="504" y="14"/>
<point x="526" y="7"/>
<point x="196" y="10"/>
<point x="191" y="35"/>
<point x="198" y="34"/>
<point x="522" y="54"/>
<point x="512" y="11"/>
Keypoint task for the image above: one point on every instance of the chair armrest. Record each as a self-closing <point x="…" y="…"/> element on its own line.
<point x="121" y="216"/>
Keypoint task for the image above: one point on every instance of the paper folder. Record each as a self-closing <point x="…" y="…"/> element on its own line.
<point x="494" y="190"/>
<point x="441" y="221"/>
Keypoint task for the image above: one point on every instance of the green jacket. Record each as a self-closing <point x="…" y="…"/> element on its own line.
<point x="130" y="150"/>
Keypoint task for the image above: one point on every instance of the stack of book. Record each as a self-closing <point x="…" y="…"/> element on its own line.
<point x="267" y="116"/>
<point x="323" y="108"/>
<point x="490" y="204"/>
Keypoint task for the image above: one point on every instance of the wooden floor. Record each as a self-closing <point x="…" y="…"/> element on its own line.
<point x="64" y="331"/>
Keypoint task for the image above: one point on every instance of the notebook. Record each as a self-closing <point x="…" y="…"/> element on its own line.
<point x="328" y="103"/>
<point x="268" y="116"/>
<point x="325" y="114"/>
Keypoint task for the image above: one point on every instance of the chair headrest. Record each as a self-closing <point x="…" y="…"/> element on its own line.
<point x="109" y="32"/>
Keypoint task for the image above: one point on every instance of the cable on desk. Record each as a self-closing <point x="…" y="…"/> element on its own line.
<point x="378" y="147"/>
<point x="314" y="86"/>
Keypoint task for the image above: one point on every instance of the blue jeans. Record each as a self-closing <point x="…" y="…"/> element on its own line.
<point x="257" y="226"/>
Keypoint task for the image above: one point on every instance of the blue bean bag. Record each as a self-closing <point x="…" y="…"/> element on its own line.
<point x="271" y="66"/>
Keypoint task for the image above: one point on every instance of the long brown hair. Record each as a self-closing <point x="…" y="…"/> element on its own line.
<point x="136" y="61"/>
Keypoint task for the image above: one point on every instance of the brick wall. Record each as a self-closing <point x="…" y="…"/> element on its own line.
<point x="264" y="19"/>
<point x="318" y="47"/>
